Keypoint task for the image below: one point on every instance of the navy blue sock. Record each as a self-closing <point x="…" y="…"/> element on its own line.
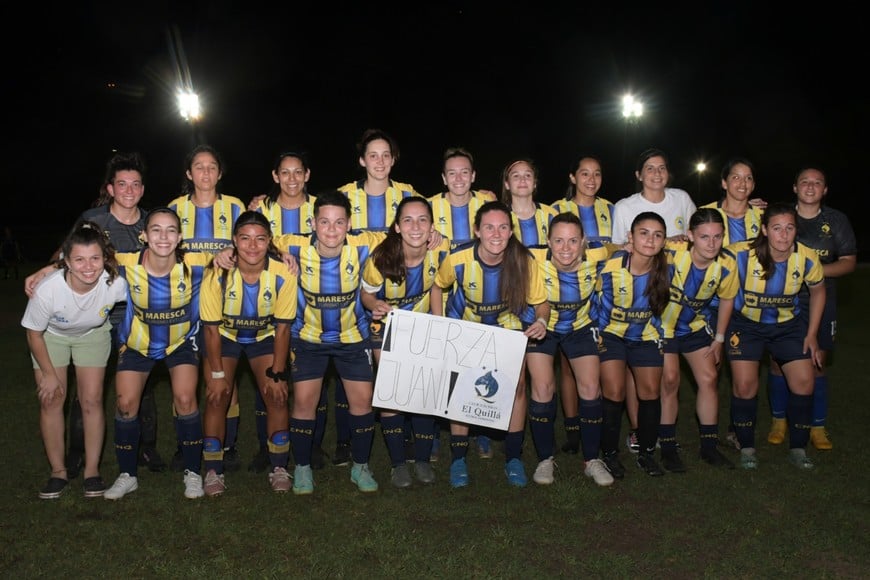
<point x="709" y="436"/>
<point x="590" y="428"/>
<point x="745" y="413"/>
<point x="393" y="430"/>
<point x="820" y="401"/>
<point x="513" y="444"/>
<point x="424" y="434"/>
<point x="572" y="429"/>
<point x="260" y="418"/>
<point x="362" y="432"/>
<point x="611" y="424"/>
<point x="649" y="414"/>
<point x="127" y="433"/>
<point x="301" y="436"/>
<point x="342" y="413"/>
<point x="668" y="436"/>
<point x="777" y="393"/>
<point x="190" y="435"/>
<point x="542" y="424"/>
<point x="320" y="417"/>
<point x="800" y="415"/>
<point x="458" y="446"/>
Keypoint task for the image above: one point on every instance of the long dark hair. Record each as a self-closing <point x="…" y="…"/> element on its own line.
<point x="275" y="191"/>
<point x="389" y="256"/>
<point x="513" y="284"/>
<point x="760" y="243"/>
<point x="179" y="251"/>
<point x="659" y="289"/>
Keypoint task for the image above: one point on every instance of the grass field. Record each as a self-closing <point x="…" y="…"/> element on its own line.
<point x="707" y="523"/>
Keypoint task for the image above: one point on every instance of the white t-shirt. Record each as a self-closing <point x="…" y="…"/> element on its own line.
<point x="55" y="308"/>
<point x="676" y="209"/>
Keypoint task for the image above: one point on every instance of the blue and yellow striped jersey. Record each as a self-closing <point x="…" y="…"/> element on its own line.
<point x="475" y="292"/>
<point x="247" y="313"/>
<point x="773" y="300"/>
<point x="739" y="229"/>
<point x="375" y="213"/>
<point x="456" y="223"/>
<point x="329" y="308"/>
<point x="693" y="291"/>
<point x="289" y="221"/>
<point x="623" y="309"/>
<point x="207" y="229"/>
<point x="413" y="292"/>
<point x="597" y="219"/>
<point x="570" y="293"/>
<point x="162" y="311"/>
<point x="533" y="232"/>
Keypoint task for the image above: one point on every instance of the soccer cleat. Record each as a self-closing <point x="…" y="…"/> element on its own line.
<point x="260" y="462"/>
<point x="318" y="457"/>
<point x="341" y="456"/>
<point x="631" y="442"/>
<point x="214" y="483"/>
<point x="362" y="476"/>
<point x="424" y="472"/>
<point x="778" y="427"/>
<point x="125" y="484"/>
<point x="748" y="460"/>
<point x="715" y="458"/>
<point x="279" y="479"/>
<point x="303" y="480"/>
<point x="614" y="465"/>
<point x="819" y="439"/>
<point x="597" y="470"/>
<point x="798" y="458"/>
<point x="400" y="476"/>
<point x="150" y="458"/>
<point x="94" y="486"/>
<point x="544" y="472"/>
<point x="484" y="447"/>
<point x="571" y="447"/>
<point x="516" y="473"/>
<point x="193" y="485"/>
<point x="458" y="473"/>
<point x="672" y="461"/>
<point x="54" y="488"/>
<point x="647" y="461"/>
<point x="232" y="461"/>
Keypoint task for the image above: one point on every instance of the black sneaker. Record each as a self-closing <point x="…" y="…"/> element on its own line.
<point x="614" y="465"/>
<point x="318" y="457"/>
<point x="232" y="462"/>
<point x="94" y="486"/>
<point x="716" y="459"/>
<point x="342" y="454"/>
<point x="54" y="488"/>
<point x="150" y="458"/>
<point x="672" y="461"/>
<point x="647" y="461"/>
<point x="177" y="463"/>
<point x="75" y="460"/>
<point x="260" y="463"/>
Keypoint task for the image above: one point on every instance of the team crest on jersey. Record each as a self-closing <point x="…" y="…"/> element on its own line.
<point x="267" y="295"/>
<point x="349" y="268"/>
<point x="182" y="286"/>
<point x="603" y="218"/>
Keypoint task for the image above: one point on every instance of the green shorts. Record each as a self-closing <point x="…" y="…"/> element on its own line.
<point x="90" y="350"/>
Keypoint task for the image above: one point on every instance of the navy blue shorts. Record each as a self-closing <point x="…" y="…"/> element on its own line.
<point x="747" y="340"/>
<point x="687" y="343"/>
<point x="309" y="360"/>
<point x="828" y="325"/>
<point x="233" y="349"/>
<point x="636" y="353"/>
<point x="583" y="342"/>
<point x="131" y="360"/>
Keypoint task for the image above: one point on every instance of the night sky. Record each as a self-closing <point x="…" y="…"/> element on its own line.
<point x="718" y="79"/>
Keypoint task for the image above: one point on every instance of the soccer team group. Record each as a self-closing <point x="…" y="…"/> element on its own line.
<point x="610" y="296"/>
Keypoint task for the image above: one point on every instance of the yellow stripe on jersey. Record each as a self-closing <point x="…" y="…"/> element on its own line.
<point x="623" y="308"/>
<point x="409" y="294"/>
<point x="289" y="221"/>
<point x="207" y="229"/>
<point x="376" y="213"/>
<point x="739" y="230"/>
<point x="597" y="223"/>
<point x="456" y="223"/>
<point x="247" y="313"/>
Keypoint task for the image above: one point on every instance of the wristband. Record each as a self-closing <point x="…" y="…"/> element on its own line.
<point x="279" y="376"/>
<point x="218" y="374"/>
<point x="542" y="321"/>
<point x="719" y="337"/>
